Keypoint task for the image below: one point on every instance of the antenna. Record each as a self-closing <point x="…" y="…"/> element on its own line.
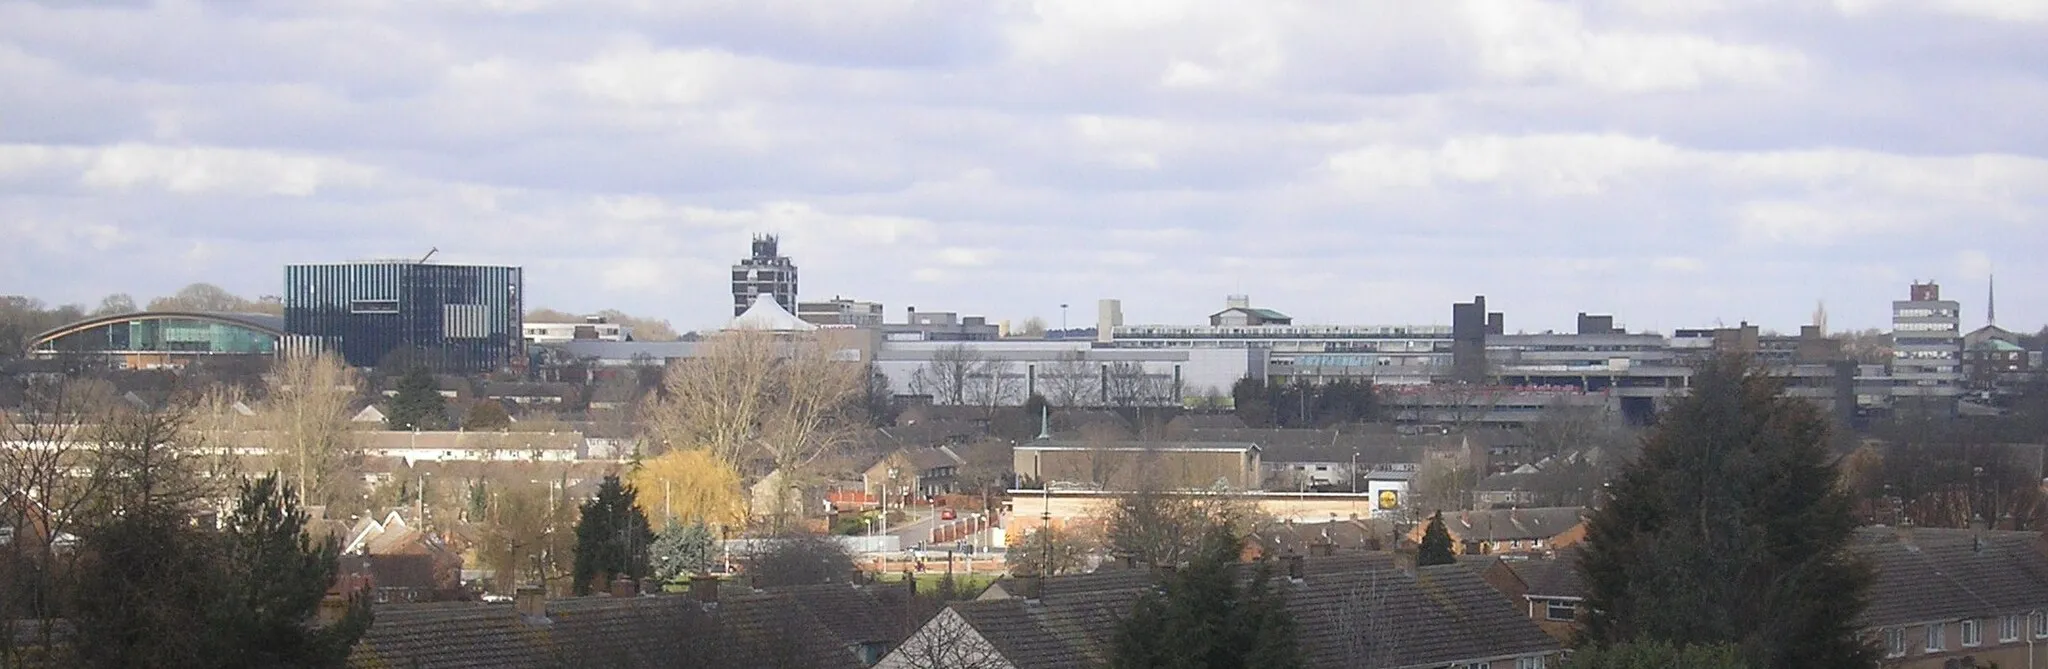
<point x="430" y="254"/>
<point x="1991" y="302"/>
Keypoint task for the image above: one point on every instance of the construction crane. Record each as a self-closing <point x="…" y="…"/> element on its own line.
<point x="430" y="254"/>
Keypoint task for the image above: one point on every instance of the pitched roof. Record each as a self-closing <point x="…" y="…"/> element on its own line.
<point x="1513" y="524"/>
<point x="1284" y="537"/>
<point x="744" y="630"/>
<point x="1930" y="574"/>
<point x="1351" y="610"/>
<point x="854" y="615"/>
<point x="1555" y="577"/>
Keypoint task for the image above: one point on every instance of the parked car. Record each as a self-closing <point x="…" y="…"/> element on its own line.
<point x="946" y="514"/>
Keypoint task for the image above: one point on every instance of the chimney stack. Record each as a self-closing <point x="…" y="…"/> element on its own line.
<point x="1295" y="570"/>
<point x="704" y="588"/>
<point x="532" y="602"/>
<point x="625" y="587"/>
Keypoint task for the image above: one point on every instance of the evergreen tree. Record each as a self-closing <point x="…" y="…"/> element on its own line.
<point x="418" y="404"/>
<point x="1205" y="615"/>
<point x="1436" y="546"/>
<point x="1730" y="529"/>
<point x="160" y="592"/>
<point x="682" y="549"/>
<point x="612" y="537"/>
<point x="1656" y="655"/>
<point x="274" y="577"/>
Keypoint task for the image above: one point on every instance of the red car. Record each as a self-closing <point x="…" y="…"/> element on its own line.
<point x="945" y="514"/>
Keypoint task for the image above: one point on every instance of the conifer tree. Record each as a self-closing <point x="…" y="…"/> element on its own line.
<point x="1205" y="614"/>
<point x="1730" y="529"/>
<point x="418" y="404"/>
<point x="612" y="537"/>
<point x="1436" y="546"/>
<point x="277" y="574"/>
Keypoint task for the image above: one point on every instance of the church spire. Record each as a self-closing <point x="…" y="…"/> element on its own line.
<point x="1991" y="302"/>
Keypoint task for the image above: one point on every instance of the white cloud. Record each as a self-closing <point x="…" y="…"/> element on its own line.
<point x="1534" y="41"/>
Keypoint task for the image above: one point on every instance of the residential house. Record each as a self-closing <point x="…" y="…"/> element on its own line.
<point x="1947" y="598"/>
<point x="1350" y="611"/>
<point x="1538" y="531"/>
<point x="926" y="471"/>
<point x="499" y="446"/>
<point x="1941" y="598"/>
<point x="1274" y="539"/>
<point x="1550" y="589"/>
<point x="533" y="394"/>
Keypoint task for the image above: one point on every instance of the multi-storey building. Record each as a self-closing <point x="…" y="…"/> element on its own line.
<point x="457" y="318"/>
<point x="592" y="328"/>
<point x="841" y="311"/>
<point x="1386" y="354"/>
<point x="766" y="272"/>
<point x="1927" y="351"/>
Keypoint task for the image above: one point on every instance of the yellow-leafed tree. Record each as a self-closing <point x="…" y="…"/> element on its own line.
<point x="687" y="486"/>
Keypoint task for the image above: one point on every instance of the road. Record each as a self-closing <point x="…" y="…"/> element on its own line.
<point x="916" y="530"/>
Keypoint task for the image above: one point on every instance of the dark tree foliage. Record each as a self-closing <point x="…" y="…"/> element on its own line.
<point x="1303" y="404"/>
<point x="798" y="559"/>
<point x="1657" y="655"/>
<point x="1436" y="546"/>
<point x="285" y="574"/>
<point x="418" y="405"/>
<point x="612" y="537"/>
<point x="159" y="592"/>
<point x="1205" y="615"/>
<point x="1730" y="528"/>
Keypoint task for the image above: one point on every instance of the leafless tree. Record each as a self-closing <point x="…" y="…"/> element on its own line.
<point x="1154" y="526"/>
<point x="760" y="397"/>
<point x="1444" y="484"/>
<point x="995" y="383"/>
<point x="1051" y="551"/>
<point x="306" y="412"/>
<point x="945" y="642"/>
<point x="43" y="444"/>
<point x="948" y="377"/>
<point x="1372" y="625"/>
<point x="1130" y="385"/>
<point x="1070" y="381"/>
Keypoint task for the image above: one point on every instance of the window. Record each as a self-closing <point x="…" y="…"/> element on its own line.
<point x="2040" y="625"/>
<point x="1529" y="662"/>
<point x="1973" y="633"/>
<point x="1560" y="611"/>
<point x="2009" y="629"/>
<point x="1936" y="637"/>
<point x="1895" y="642"/>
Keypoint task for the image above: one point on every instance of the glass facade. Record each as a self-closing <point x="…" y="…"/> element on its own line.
<point x="165" y="334"/>
<point x="459" y="318"/>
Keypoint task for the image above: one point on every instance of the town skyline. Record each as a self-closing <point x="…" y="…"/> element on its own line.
<point x="1674" y="167"/>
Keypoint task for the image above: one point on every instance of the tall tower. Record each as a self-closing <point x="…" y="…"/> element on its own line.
<point x="1927" y="351"/>
<point x="767" y="271"/>
<point x="1991" y="302"/>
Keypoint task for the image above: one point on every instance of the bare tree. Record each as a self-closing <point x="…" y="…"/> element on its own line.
<point x="1371" y="622"/>
<point x="948" y="377"/>
<point x="42" y="443"/>
<point x="117" y="303"/>
<point x="1070" y="381"/>
<point x="306" y="412"/>
<point x="760" y="397"/>
<point x="1128" y="384"/>
<point x="945" y="642"/>
<point x="995" y="383"/>
<point x="1154" y="526"/>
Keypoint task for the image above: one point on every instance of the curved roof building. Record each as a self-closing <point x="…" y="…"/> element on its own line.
<point x="150" y="339"/>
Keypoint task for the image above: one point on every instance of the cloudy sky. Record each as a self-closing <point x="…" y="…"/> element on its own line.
<point x="1674" y="163"/>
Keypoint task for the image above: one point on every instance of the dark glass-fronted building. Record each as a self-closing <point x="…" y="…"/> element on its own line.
<point x="458" y="318"/>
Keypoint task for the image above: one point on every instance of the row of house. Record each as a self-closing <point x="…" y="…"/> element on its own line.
<point x="1940" y="598"/>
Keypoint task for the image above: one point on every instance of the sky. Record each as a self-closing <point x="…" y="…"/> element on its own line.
<point x="1676" y="164"/>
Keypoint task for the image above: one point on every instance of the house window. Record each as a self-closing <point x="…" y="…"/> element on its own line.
<point x="1895" y="642"/>
<point x="1936" y="637"/>
<point x="2040" y="625"/>
<point x="1557" y="611"/>
<point x="1529" y="662"/>
<point x="1973" y="634"/>
<point x="2009" y="629"/>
